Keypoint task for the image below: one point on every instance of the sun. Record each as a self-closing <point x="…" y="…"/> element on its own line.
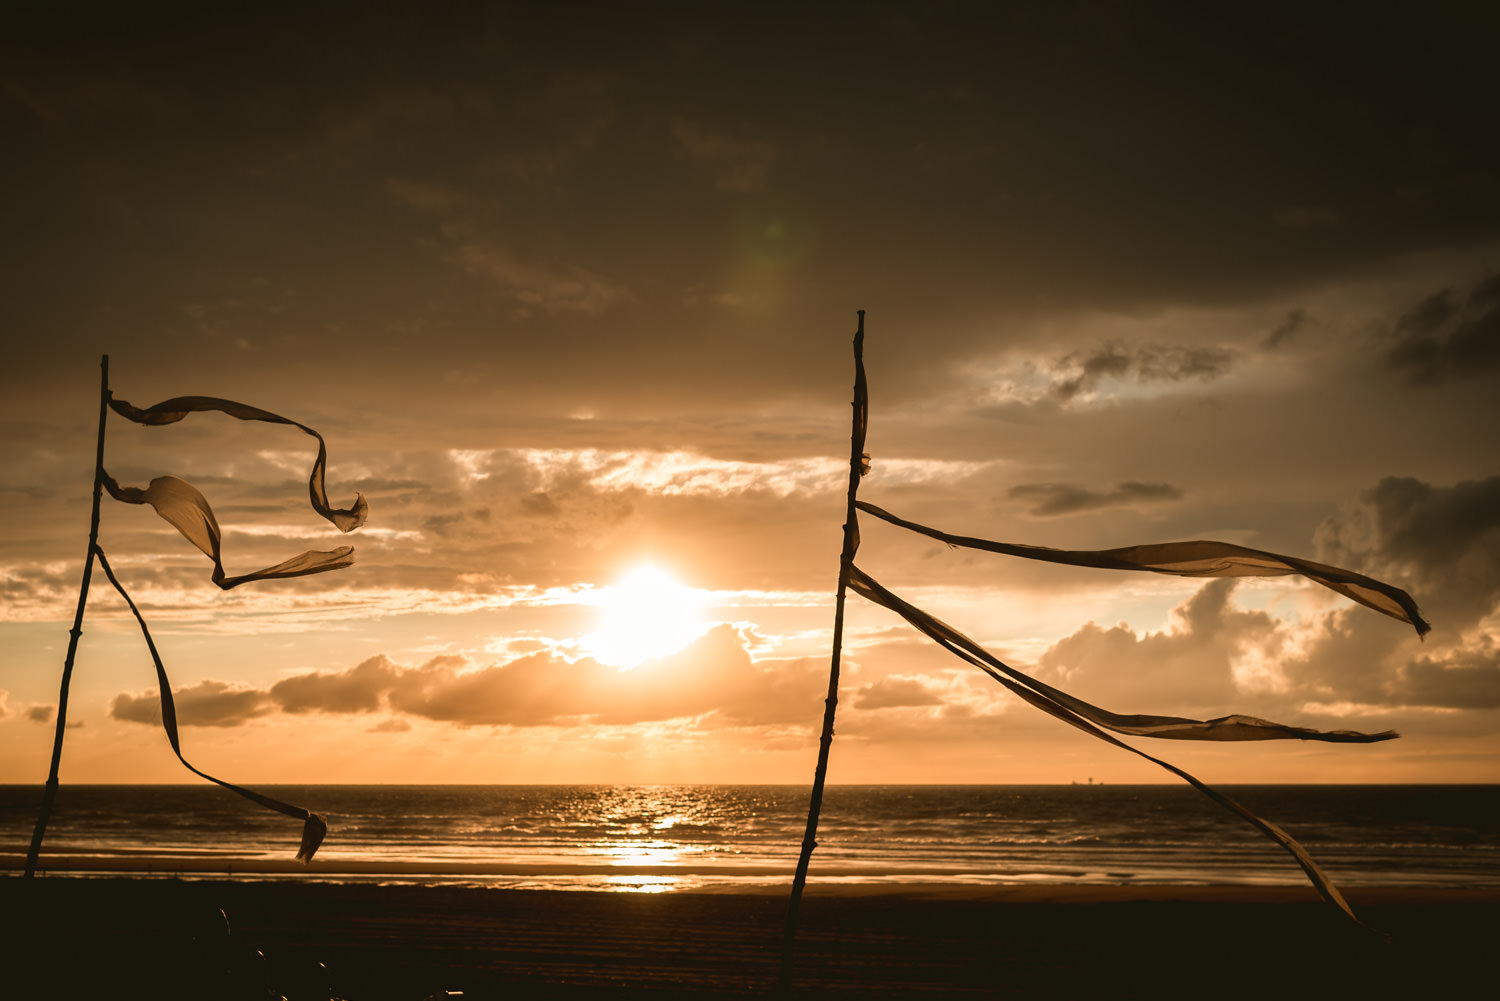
<point x="646" y="614"/>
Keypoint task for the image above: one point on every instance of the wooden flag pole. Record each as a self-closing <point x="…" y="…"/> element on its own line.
<point x="50" y="793"/>
<point x="830" y="705"/>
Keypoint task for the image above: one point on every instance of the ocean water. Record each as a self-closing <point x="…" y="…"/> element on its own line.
<point x="657" y="838"/>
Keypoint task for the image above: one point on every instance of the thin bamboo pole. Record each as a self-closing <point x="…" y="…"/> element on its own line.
<point x="830" y="704"/>
<point x="50" y="793"/>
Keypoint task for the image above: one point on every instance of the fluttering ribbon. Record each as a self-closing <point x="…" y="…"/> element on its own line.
<point x="1183" y="559"/>
<point x="1225" y="728"/>
<point x="182" y="506"/>
<point x="314" y="827"/>
<point x="1083" y="716"/>
<point x="1195" y="559"/>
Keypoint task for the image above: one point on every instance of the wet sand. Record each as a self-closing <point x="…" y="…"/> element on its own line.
<point x="162" y="938"/>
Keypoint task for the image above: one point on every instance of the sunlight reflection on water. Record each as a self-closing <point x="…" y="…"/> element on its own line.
<point x="638" y="852"/>
<point x="640" y="884"/>
<point x="653" y="839"/>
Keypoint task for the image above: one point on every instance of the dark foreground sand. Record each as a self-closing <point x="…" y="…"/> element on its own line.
<point x="119" y="938"/>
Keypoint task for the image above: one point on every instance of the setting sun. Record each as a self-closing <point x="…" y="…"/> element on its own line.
<point x="647" y="613"/>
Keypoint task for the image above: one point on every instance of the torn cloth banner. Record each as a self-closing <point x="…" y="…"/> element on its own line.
<point x="1188" y="559"/>
<point x="1090" y="719"/>
<point x="314" y="827"/>
<point x="1235" y="727"/>
<point x="182" y="506"/>
<point x="1183" y="559"/>
<point x="1195" y="559"/>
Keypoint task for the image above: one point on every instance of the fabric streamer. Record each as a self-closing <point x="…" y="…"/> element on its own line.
<point x="1183" y="559"/>
<point x="182" y="506"/>
<point x="1195" y="559"/>
<point x="1083" y="716"/>
<point x="1224" y="728"/>
<point x="314" y="827"/>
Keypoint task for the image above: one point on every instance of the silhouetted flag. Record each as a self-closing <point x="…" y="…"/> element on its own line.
<point x="1196" y="559"/>
<point x="1082" y="715"/>
<point x="314" y="827"/>
<point x="183" y="507"/>
<point x="1185" y="559"/>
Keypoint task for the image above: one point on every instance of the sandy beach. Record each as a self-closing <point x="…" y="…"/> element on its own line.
<point x="101" y="937"/>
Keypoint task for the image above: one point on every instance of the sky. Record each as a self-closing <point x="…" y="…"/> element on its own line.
<point x="570" y="290"/>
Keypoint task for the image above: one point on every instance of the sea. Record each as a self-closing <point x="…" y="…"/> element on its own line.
<point x="665" y="838"/>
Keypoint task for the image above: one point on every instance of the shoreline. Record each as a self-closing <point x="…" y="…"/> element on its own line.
<point x="401" y="943"/>
<point x="750" y="881"/>
<point x="755" y="879"/>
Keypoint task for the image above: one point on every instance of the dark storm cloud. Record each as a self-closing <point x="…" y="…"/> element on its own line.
<point x="1443" y="543"/>
<point x="1051" y="499"/>
<point x="1146" y="363"/>
<point x="1284" y="332"/>
<point x="1442" y="340"/>
<point x="1429" y="526"/>
<point x="1108" y="361"/>
<point x="1467" y="680"/>
<point x="1427" y="317"/>
<point x="532" y="197"/>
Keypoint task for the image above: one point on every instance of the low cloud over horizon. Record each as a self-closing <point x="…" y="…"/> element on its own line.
<point x="1212" y="655"/>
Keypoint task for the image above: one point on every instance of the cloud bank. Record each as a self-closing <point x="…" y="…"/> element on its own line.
<point x="714" y="675"/>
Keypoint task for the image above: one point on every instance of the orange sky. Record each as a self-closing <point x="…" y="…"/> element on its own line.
<point x="571" y="296"/>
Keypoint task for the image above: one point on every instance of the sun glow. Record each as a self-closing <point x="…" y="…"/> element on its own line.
<point x="648" y="613"/>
